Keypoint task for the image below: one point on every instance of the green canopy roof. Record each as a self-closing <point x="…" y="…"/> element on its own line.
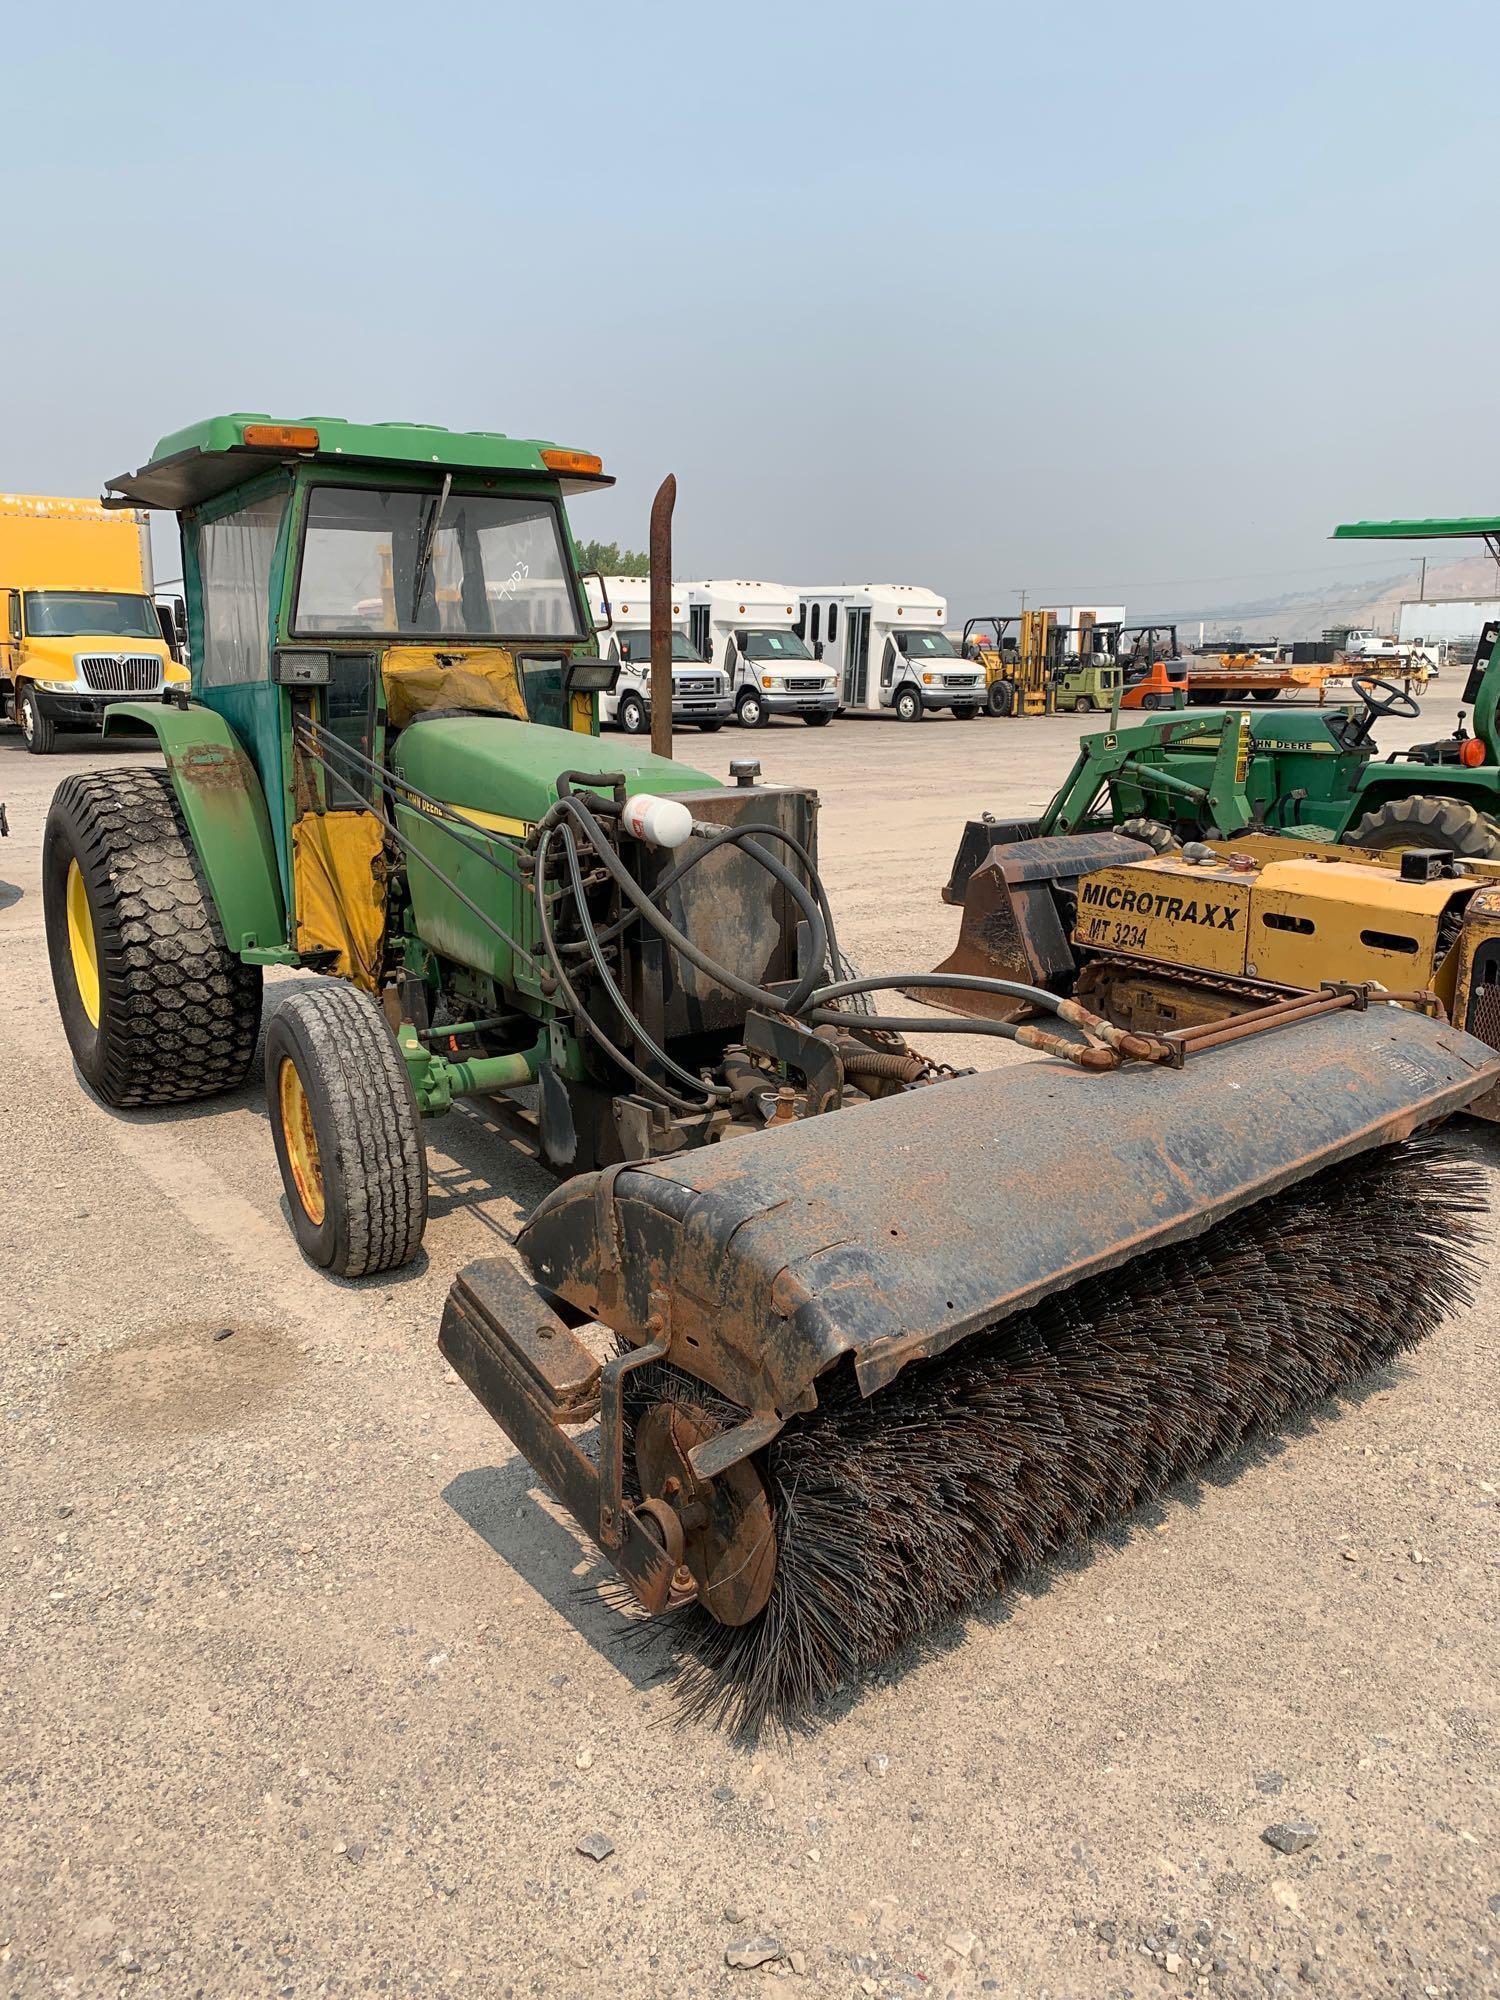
<point x="209" y="458"/>
<point x="1475" y="527"/>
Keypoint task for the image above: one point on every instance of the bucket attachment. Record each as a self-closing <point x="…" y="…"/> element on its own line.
<point x="752" y="1283"/>
<point x="1014" y="926"/>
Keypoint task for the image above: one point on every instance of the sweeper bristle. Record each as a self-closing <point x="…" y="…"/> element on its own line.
<point x="896" y="1512"/>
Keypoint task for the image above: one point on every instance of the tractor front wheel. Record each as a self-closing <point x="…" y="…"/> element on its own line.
<point x="1001" y="699"/>
<point x="155" y="1006"/>
<point x="1429" y="822"/>
<point x="347" y="1130"/>
<point x="349" y="1135"/>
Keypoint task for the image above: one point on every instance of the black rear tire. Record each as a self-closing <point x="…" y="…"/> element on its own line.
<point x="818" y="718"/>
<point x="1157" y="836"/>
<point x="172" y="1015"/>
<point x="1421" y="821"/>
<point x="708" y="728"/>
<point x="1266" y="694"/>
<point x="38" y="731"/>
<point x="362" y="1202"/>
<point x="966" y="710"/>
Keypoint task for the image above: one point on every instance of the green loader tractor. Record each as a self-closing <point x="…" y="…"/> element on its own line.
<point x="1310" y="773"/>
<point x="834" y="1394"/>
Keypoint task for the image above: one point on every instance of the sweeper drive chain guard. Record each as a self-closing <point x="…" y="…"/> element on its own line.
<point x="887" y="1233"/>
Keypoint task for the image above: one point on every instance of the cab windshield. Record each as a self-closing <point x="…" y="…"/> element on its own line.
<point x="90" y="614"/>
<point x="926" y="645"/>
<point x="417" y="565"/>
<point x="635" y="649"/>
<point x="773" y="646"/>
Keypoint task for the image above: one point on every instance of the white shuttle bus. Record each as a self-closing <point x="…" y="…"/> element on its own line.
<point x="886" y="644"/>
<point x="700" y="693"/>
<point x="749" y="631"/>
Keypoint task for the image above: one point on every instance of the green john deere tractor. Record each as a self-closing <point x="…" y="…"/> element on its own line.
<point x="1311" y="772"/>
<point x="834" y="1397"/>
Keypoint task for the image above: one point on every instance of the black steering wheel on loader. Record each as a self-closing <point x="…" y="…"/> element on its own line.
<point x="1381" y="698"/>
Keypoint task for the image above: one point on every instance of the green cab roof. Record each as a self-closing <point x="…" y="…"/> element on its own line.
<point x="209" y="458"/>
<point x="1472" y="527"/>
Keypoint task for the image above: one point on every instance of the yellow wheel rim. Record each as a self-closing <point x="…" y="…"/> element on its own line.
<point x="301" y="1140"/>
<point x="82" y="949"/>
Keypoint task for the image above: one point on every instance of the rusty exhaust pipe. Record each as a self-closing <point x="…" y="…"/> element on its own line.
<point x="661" y="616"/>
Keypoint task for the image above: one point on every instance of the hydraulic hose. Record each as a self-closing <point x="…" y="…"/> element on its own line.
<point x="722" y="975"/>
<point x="580" y="1013"/>
<point x="713" y="1092"/>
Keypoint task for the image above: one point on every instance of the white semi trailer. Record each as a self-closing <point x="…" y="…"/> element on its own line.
<point x="749" y="630"/>
<point x="886" y="644"/>
<point x="700" y="692"/>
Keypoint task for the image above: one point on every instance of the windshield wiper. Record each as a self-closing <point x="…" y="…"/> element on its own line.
<point x="424" y="547"/>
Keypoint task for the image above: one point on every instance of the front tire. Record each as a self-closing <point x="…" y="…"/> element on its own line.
<point x="347" y="1130"/>
<point x="38" y="731"/>
<point x="1428" y="822"/>
<point x="155" y="1006"/>
<point x="908" y="705"/>
<point x="632" y="716"/>
<point x="1084" y="705"/>
<point x="750" y="711"/>
<point x="1001" y="700"/>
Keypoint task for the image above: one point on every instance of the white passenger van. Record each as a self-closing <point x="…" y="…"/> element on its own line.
<point x="886" y="643"/>
<point x="749" y="630"/>
<point x="700" y="693"/>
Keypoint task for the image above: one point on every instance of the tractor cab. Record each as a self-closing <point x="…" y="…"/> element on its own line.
<point x="344" y="581"/>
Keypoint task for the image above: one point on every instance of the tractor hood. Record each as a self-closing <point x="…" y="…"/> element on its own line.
<point x="492" y="764"/>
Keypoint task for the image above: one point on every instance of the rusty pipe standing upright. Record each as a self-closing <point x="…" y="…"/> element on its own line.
<point x="661" y="616"/>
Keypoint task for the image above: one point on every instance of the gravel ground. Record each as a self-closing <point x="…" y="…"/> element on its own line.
<point x="307" y="1689"/>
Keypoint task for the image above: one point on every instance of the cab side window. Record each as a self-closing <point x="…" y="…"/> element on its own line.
<point x="234" y="566"/>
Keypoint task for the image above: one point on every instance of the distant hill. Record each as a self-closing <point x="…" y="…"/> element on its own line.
<point x="1305" y="614"/>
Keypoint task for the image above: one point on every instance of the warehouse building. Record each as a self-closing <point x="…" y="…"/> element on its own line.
<point x="1454" y="621"/>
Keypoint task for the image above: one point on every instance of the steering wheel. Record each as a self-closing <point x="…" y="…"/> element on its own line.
<point x="1396" y="700"/>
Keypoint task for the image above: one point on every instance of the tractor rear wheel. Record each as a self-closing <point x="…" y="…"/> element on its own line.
<point x="1157" y="836"/>
<point x="1429" y="822"/>
<point x="155" y="1006"/>
<point x="347" y="1130"/>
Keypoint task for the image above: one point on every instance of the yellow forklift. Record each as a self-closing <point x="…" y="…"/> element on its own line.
<point x="1016" y="653"/>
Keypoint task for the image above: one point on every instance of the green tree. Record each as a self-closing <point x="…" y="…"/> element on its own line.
<point x="609" y="559"/>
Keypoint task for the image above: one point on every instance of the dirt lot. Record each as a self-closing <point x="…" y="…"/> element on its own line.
<point x="307" y="1690"/>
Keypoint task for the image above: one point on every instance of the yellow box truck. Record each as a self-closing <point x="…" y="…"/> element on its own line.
<point x="78" y="623"/>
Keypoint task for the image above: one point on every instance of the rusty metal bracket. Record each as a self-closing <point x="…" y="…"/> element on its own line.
<point x="612" y="1418"/>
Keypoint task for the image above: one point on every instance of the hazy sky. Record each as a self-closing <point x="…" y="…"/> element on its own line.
<point x="1099" y="301"/>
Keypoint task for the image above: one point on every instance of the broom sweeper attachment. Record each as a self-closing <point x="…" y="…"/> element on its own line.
<point x="868" y="1367"/>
